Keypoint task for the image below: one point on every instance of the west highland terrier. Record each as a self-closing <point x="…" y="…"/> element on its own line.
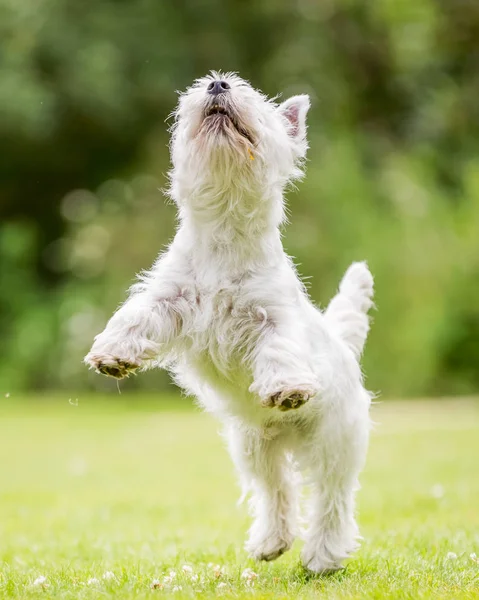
<point x="226" y="313"/>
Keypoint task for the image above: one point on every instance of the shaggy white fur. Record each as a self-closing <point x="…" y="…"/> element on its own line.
<point x="224" y="310"/>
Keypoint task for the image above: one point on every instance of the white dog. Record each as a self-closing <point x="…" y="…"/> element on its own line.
<point x="225" y="311"/>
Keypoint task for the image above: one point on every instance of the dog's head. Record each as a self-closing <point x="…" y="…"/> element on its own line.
<point x="224" y="128"/>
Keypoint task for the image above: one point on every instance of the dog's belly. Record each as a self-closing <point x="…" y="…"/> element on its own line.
<point x="224" y="395"/>
<point x="215" y="359"/>
<point x="214" y="364"/>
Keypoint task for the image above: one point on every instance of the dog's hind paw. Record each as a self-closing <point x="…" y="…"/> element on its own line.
<point x="320" y="568"/>
<point x="270" y="548"/>
<point x="110" y="365"/>
<point x="320" y="560"/>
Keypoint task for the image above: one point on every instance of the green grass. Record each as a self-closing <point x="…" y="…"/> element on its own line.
<point x="142" y="487"/>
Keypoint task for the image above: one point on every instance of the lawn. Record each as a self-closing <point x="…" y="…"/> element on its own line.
<point x="104" y="498"/>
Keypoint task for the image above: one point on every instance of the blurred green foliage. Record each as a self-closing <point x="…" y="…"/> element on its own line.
<point x="393" y="175"/>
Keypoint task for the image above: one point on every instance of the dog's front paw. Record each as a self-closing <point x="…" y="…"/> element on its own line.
<point x="289" y="397"/>
<point x="111" y="365"/>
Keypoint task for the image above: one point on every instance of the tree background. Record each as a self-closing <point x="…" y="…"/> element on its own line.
<point x="393" y="172"/>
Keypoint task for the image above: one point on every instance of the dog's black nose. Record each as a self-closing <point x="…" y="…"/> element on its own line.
<point x="218" y="87"/>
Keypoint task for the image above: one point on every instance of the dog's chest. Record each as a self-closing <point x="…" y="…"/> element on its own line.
<point x="224" y="329"/>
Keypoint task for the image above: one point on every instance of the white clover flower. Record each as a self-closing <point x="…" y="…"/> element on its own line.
<point x="156" y="584"/>
<point x="177" y="588"/>
<point x="218" y="571"/>
<point x="172" y="574"/>
<point x="473" y="557"/>
<point x="249" y="575"/>
<point x="451" y="556"/>
<point x="194" y="577"/>
<point x="187" y="569"/>
<point x="93" y="581"/>
<point x="107" y="575"/>
<point x="437" y="491"/>
<point x="42" y="580"/>
<point x="220" y="585"/>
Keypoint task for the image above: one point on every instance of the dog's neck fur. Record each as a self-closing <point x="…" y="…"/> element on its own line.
<point x="235" y="217"/>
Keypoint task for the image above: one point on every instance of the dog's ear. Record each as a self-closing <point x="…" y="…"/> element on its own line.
<point x="295" y="110"/>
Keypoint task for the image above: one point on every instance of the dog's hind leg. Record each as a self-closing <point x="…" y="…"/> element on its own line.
<point x="334" y="451"/>
<point x="266" y="472"/>
<point x="347" y="312"/>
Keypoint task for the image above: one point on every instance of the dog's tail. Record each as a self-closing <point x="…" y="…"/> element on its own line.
<point x="348" y="310"/>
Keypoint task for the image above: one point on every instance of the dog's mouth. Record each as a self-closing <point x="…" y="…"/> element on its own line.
<point x="216" y="109"/>
<point x="217" y="112"/>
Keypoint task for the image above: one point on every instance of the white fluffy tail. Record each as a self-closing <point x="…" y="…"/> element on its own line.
<point x="348" y="310"/>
